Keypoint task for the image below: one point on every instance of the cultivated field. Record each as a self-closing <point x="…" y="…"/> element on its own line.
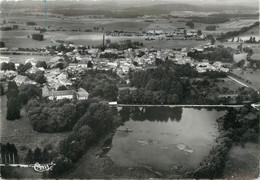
<point x="63" y="27"/>
<point x="232" y="25"/>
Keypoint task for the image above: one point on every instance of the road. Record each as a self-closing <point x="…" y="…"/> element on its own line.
<point x="239" y="82"/>
<point x="177" y="105"/>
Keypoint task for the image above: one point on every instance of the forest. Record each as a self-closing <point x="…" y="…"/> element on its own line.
<point x="170" y="84"/>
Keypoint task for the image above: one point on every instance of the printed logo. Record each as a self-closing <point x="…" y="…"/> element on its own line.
<point x="42" y="167"/>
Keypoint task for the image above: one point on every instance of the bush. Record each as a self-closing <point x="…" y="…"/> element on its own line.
<point x="31" y="23"/>
<point x="63" y="165"/>
<point x="190" y="24"/>
<point x="2" y="44"/>
<point x="6" y="28"/>
<point x="38" y="37"/>
<point x="210" y="28"/>
<point x="41" y="64"/>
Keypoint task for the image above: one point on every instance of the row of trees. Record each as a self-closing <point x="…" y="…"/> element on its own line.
<point x="125" y="45"/>
<point x="236" y="33"/>
<point x="210" y="20"/>
<point x="22" y="68"/>
<point x="9" y="154"/>
<point x="38" y="155"/>
<point x="217" y="54"/>
<point x="144" y="96"/>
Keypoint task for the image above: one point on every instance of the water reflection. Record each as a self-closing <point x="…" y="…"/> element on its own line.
<point x="162" y="114"/>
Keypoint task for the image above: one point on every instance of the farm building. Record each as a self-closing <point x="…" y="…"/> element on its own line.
<point x="82" y="94"/>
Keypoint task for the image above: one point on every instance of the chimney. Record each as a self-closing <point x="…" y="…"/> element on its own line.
<point x="103" y="40"/>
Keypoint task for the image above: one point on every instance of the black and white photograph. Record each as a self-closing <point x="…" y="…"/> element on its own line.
<point x="129" y="89"/>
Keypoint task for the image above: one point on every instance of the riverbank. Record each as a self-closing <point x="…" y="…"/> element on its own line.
<point x="96" y="164"/>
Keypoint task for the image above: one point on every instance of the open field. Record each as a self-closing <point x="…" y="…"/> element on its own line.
<point x="80" y="24"/>
<point x="255" y="48"/>
<point x="21" y="134"/>
<point x="83" y="23"/>
<point x="232" y="25"/>
<point x="229" y="83"/>
<point x="256" y="57"/>
<point x="253" y="31"/>
<point x="239" y="57"/>
<point x="90" y="38"/>
<point x="243" y="161"/>
<point x="18" y="38"/>
<point x="250" y="75"/>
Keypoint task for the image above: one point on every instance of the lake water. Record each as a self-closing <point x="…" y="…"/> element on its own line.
<point x="165" y="139"/>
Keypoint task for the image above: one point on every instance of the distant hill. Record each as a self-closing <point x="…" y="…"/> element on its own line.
<point x="110" y="9"/>
<point x="166" y="8"/>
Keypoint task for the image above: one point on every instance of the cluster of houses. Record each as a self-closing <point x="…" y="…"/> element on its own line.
<point x="180" y="33"/>
<point x="203" y="67"/>
<point x="119" y="61"/>
<point x="55" y="78"/>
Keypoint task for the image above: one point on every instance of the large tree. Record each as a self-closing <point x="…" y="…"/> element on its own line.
<point x="13" y="109"/>
<point x="13" y="105"/>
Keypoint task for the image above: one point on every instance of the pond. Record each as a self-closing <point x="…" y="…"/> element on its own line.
<point x="164" y="139"/>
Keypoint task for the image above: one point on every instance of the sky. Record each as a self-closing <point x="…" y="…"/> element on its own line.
<point x="253" y="3"/>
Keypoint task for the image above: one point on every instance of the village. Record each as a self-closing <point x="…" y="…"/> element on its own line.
<point x="79" y="59"/>
<point x="129" y="90"/>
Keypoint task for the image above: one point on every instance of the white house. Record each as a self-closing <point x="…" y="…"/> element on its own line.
<point x="4" y="59"/>
<point x="58" y="95"/>
<point x="82" y="94"/>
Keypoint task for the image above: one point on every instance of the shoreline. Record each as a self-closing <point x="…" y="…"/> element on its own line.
<point x="96" y="164"/>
